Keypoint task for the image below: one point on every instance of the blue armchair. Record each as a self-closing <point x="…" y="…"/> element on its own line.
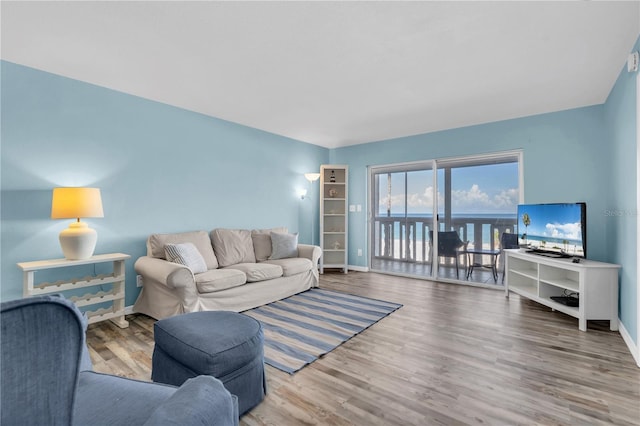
<point x="47" y="378"/>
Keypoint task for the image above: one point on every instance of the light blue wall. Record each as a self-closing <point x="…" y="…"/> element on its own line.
<point x="622" y="221"/>
<point x="566" y="159"/>
<point x="160" y="169"/>
<point x="586" y="154"/>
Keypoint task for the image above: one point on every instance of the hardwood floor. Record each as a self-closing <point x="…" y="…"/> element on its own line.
<point x="451" y="355"/>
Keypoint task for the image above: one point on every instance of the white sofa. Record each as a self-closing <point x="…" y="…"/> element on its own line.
<point x="239" y="275"/>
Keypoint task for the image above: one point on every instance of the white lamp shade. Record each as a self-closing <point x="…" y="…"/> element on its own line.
<point x="312" y="177"/>
<point x="78" y="241"/>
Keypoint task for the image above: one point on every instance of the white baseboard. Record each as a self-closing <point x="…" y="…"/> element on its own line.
<point x="358" y="268"/>
<point x="633" y="348"/>
<point x="128" y="310"/>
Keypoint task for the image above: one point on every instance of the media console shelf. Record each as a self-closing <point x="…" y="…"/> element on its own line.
<point x="539" y="278"/>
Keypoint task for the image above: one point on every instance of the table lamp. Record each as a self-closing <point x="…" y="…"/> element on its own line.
<point x="78" y="241"/>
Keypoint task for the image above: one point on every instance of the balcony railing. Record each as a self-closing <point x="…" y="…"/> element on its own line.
<point x="407" y="239"/>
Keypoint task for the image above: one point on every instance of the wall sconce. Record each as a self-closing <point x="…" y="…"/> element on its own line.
<point x="302" y="193"/>
<point x="78" y="241"/>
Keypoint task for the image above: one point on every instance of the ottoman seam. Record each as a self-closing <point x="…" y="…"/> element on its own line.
<point x="226" y="350"/>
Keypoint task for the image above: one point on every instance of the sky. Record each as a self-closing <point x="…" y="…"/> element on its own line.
<point x="474" y="189"/>
<point x="552" y="220"/>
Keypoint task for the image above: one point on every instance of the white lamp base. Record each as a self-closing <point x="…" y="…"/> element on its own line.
<point x="78" y="241"/>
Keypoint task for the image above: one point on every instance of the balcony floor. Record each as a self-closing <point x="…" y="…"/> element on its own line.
<point x="481" y="276"/>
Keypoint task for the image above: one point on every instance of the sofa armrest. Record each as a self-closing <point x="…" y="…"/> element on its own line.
<point x="169" y="274"/>
<point x="202" y="400"/>
<point x="310" y="252"/>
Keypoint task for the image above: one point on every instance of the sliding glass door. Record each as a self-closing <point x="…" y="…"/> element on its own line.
<point x="480" y="199"/>
<point x="402" y="215"/>
<point x="470" y="201"/>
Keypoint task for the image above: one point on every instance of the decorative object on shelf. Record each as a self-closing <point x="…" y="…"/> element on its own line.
<point x="333" y="192"/>
<point x="336" y="245"/>
<point x="332" y="177"/>
<point x="78" y="241"/>
<point x="632" y="62"/>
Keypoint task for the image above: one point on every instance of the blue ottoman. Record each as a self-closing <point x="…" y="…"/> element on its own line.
<point x="225" y="345"/>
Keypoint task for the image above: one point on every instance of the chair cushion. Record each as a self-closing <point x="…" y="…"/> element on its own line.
<point x="283" y="246"/>
<point x="219" y="279"/>
<point x="210" y="342"/>
<point x="103" y="399"/>
<point x="232" y="246"/>
<point x="186" y="254"/>
<point x="292" y="266"/>
<point x="258" y="271"/>
<point x="200" y="239"/>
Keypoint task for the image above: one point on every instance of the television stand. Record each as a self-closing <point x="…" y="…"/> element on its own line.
<point x="540" y="278"/>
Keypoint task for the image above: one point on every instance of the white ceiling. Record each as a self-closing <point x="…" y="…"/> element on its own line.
<point x="335" y="73"/>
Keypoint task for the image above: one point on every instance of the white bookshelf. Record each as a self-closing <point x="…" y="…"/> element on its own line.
<point x="334" y="216"/>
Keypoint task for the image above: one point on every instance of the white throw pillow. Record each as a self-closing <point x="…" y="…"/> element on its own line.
<point x="186" y="254"/>
<point x="283" y="246"/>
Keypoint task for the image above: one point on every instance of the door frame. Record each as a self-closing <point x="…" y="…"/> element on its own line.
<point x="434" y="165"/>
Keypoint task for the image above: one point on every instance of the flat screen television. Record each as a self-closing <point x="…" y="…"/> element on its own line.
<point x="555" y="230"/>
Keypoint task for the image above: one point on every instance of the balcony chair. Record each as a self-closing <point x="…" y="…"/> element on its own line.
<point x="449" y="244"/>
<point x="47" y="378"/>
<point x="508" y="240"/>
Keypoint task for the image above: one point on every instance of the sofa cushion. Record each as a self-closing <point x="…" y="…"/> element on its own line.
<point x="262" y="242"/>
<point x="200" y="239"/>
<point x="258" y="271"/>
<point x="283" y="246"/>
<point x="292" y="266"/>
<point x="186" y="254"/>
<point x="219" y="279"/>
<point x="261" y="246"/>
<point x="232" y="246"/>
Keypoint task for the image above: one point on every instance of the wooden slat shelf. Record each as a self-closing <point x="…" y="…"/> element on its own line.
<point x="116" y="279"/>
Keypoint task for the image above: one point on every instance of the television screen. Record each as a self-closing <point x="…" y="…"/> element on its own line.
<point x="558" y="229"/>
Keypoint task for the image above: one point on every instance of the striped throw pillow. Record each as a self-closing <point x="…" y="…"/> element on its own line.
<point x="186" y="254"/>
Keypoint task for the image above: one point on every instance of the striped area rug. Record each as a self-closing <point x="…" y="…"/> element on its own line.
<point x="303" y="327"/>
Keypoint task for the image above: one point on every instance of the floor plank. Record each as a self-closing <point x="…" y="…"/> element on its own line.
<point x="451" y="355"/>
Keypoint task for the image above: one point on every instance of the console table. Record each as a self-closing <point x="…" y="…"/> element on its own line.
<point x="539" y="278"/>
<point x="115" y="295"/>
